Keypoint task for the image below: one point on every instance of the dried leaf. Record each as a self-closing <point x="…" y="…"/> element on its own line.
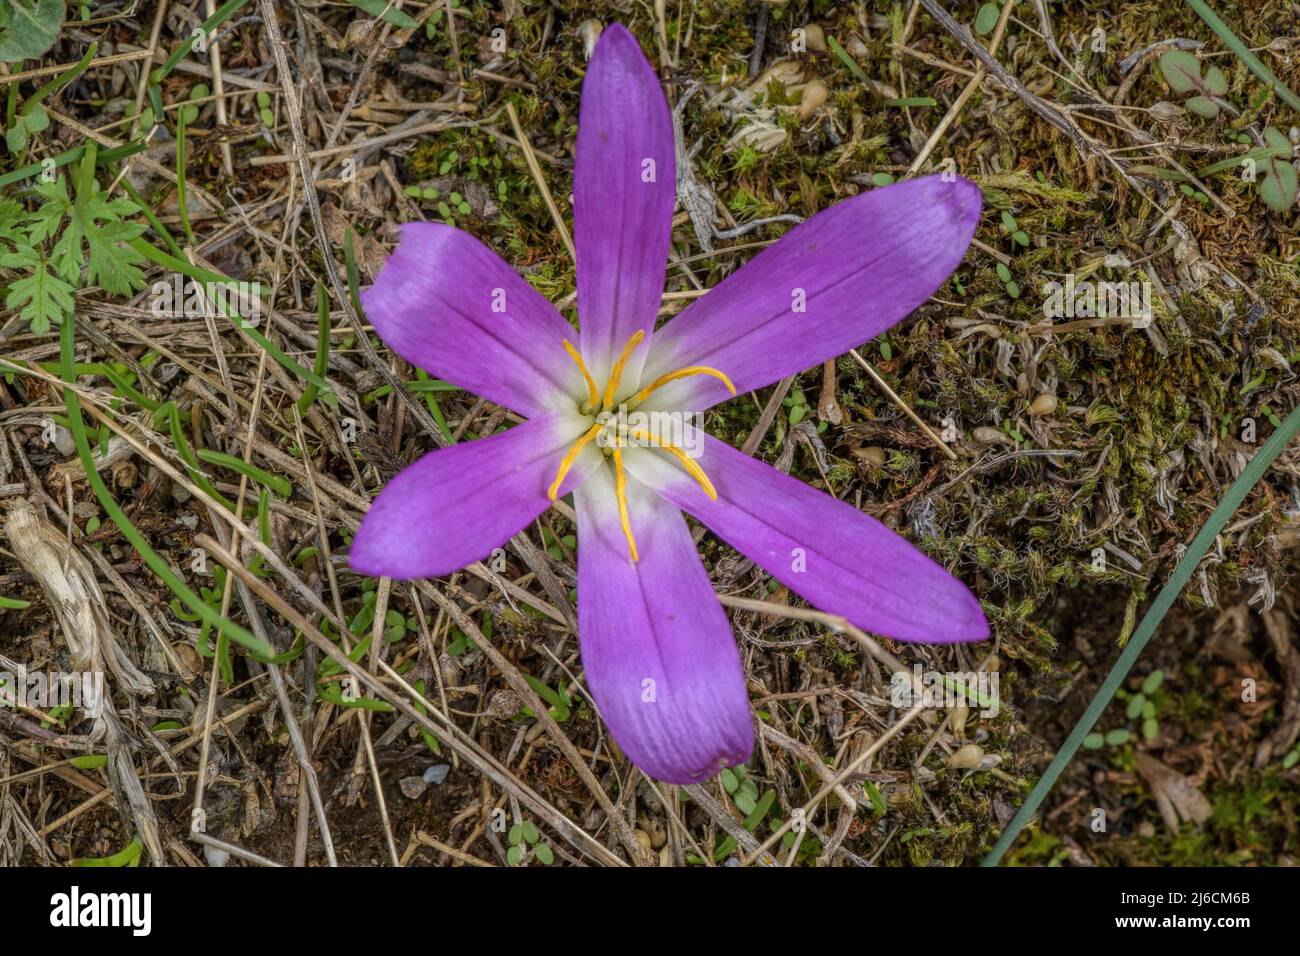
<point x="1176" y="797"/>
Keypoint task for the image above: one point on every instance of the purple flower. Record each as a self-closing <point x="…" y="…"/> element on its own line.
<point x="660" y="658"/>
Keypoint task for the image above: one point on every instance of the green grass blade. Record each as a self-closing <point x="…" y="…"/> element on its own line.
<point x="105" y="158"/>
<point x="67" y="343"/>
<point x="224" y="13"/>
<point x="281" y="486"/>
<point x="322" y="346"/>
<point x="1150" y="622"/>
<point x="203" y="275"/>
<point x="1253" y="63"/>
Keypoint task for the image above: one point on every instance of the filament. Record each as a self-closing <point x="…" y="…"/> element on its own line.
<point x="570" y="457"/>
<point x="617" y="371"/>
<point x="686" y="461"/>
<point x="593" y="394"/>
<point x="690" y="370"/>
<point x="620" y="492"/>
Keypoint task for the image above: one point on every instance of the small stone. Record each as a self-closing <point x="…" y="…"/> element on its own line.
<point x="814" y="38"/>
<point x="504" y="704"/>
<point x="63" y="441"/>
<point x="215" y="856"/>
<point x="413" y="787"/>
<point x="1044" y="404"/>
<point x="988" y="435"/>
<point x="814" y="95"/>
<point x="436" y="774"/>
<point x="873" y="455"/>
<point x="967" y="757"/>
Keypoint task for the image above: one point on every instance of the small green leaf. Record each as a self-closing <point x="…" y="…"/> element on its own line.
<point x="545" y="855"/>
<point x="127" y="857"/>
<point x="1150" y="729"/>
<point x="1094" y="742"/>
<point x="725" y="848"/>
<point x="729" y="781"/>
<point x="387" y="12"/>
<point x="877" y="798"/>
<point x="986" y="19"/>
<point x="530" y="833"/>
<point x="1216" y="84"/>
<point x="1135" y="704"/>
<point x="1003" y="272"/>
<point x="1277" y="184"/>
<point x="1153" y="682"/>
<point x="514" y="855"/>
<point x="1117" y="737"/>
<point x="28" y="28"/>
<point x="1203" y="106"/>
<point x="1182" y="70"/>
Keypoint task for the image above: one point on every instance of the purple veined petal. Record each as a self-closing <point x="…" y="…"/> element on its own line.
<point x="624" y="187"/>
<point x="830" y="284"/>
<point x="837" y="558"/>
<point x="451" y="507"/>
<point x="449" y="305"/>
<point x="658" y="651"/>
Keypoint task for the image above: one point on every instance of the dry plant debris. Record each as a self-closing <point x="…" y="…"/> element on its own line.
<point x="1059" y="460"/>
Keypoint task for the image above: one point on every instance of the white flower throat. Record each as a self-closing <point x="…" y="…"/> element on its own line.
<point x="614" y="431"/>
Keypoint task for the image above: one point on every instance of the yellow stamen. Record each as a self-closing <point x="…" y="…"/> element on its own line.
<point x="593" y="393"/>
<point x="620" y="491"/>
<point x="567" y="462"/>
<point x="686" y="461"/>
<point x="617" y="371"/>
<point x="690" y="370"/>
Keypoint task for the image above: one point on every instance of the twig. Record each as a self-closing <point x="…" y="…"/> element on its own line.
<point x="536" y="170"/>
<point x="907" y="410"/>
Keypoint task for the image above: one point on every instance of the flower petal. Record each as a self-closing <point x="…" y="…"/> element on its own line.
<point x="840" y="560"/>
<point x="660" y="658"/>
<point x="831" y="283"/>
<point x="454" y="505"/>
<point x="624" y="187"/>
<point x="449" y="305"/>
